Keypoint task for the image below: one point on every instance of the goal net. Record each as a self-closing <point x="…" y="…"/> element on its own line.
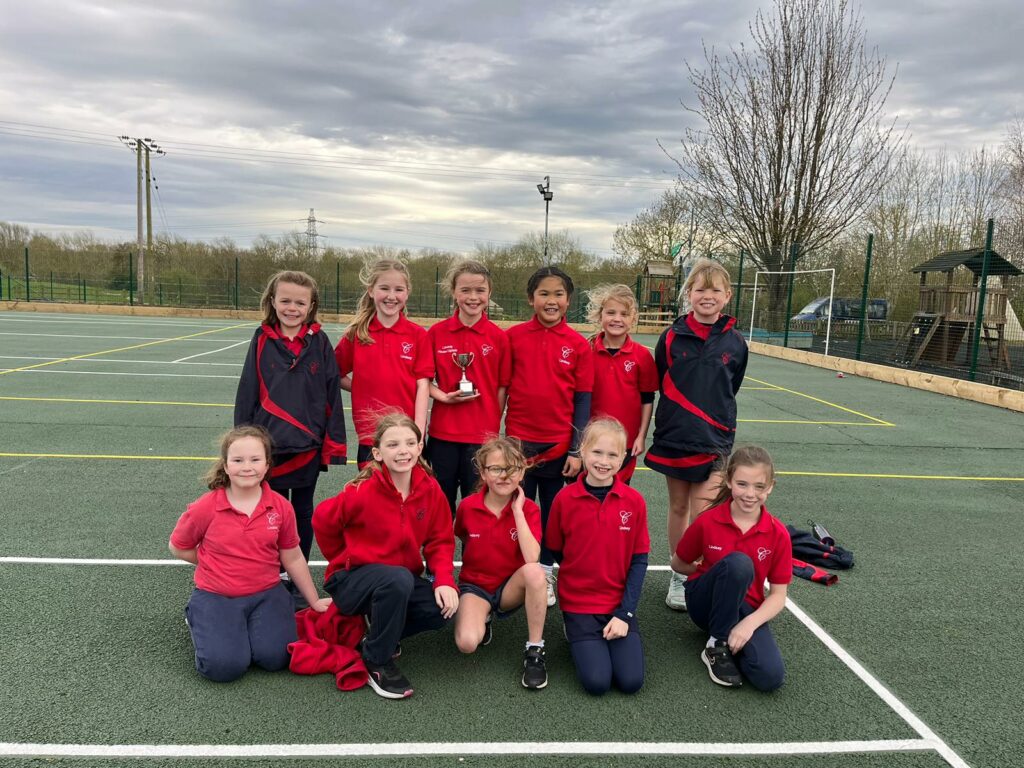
<point x="812" y="309"/>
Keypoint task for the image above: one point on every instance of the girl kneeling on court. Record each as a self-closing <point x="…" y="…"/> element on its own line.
<point x="375" y="534"/>
<point x="598" y="532"/>
<point x="238" y="535"/>
<point x="728" y="553"/>
<point x="500" y="532"/>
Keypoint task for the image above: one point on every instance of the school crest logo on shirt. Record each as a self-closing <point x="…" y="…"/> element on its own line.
<point x="421" y="513"/>
<point x="624" y="515"/>
<point x="406" y="347"/>
<point x="514" y="533"/>
<point x="566" y="352"/>
<point x="725" y="358"/>
<point x="273" y="520"/>
<point x="629" y="365"/>
<point x="763" y="553"/>
<point x="314" y="368"/>
<point x="486" y="349"/>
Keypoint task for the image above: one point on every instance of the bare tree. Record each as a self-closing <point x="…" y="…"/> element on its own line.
<point x="1011" y="230"/>
<point x="652" y="232"/>
<point x="794" y="145"/>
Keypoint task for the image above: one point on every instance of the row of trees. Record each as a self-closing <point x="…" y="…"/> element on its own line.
<point x="210" y="273"/>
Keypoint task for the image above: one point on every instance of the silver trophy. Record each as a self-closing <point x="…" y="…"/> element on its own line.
<point x="464" y="360"/>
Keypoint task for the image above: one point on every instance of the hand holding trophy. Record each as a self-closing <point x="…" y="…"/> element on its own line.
<point x="464" y="360"/>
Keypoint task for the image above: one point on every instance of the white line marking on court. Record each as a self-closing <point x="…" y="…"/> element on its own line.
<point x="421" y="748"/>
<point x="875" y="685"/>
<point x="16" y="467"/>
<point x="134" y="320"/>
<point x="107" y="360"/>
<point x="119" y="338"/>
<point x="929" y="739"/>
<point x="211" y="352"/>
<point x="121" y="373"/>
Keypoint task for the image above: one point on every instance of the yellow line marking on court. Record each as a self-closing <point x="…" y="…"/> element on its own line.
<point x="904" y="477"/>
<point x="823" y="402"/>
<point x="646" y="469"/>
<point x="829" y="423"/>
<point x="122" y="349"/>
<point x="114" y="402"/>
<point x="762" y="389"/>
<point x="880" y="476"/>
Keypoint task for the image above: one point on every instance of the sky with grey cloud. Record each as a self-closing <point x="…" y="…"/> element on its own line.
<point x="415" y="124"/>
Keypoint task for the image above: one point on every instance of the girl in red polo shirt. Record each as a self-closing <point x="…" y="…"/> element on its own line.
<point x="383" y="357"/>
<point x="375" y="535"/>
<point x="728" y="553"/>
<point x="289" y="385"/>
<point x="461" y="421"/>
<point x="598" y="530"/>
<point x="625" y="377"/>
<point x="237" y="536"/>
<point x="701" y="361"/>
<point x="552" y="370"/>
<point x="500" y="532"/>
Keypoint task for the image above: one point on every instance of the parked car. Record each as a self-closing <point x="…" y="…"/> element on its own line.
<point x="842" y="309"/>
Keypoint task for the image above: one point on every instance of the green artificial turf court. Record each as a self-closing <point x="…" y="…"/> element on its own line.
<point x="108" y="423"/>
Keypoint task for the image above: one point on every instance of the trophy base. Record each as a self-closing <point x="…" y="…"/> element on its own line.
<point x="467" y="393"/>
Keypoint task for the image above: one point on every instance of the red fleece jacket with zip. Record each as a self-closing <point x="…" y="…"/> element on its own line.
<point x="369" y="523"/>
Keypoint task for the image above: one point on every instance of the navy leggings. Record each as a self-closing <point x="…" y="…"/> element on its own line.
<point x="232" y="633"/>
<point x="715" y="602"/>
<point x="302" y="502"/>
<point x="454" y="468"/>
<point x="545" y="481"/>
<point x="601" y="663"/>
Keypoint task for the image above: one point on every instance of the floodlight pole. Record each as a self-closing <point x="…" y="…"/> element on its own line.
<point x="547" y="194"/>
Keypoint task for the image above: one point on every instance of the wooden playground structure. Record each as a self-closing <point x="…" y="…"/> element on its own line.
<point x="947" y="312"/>
<point x="656" y="291"/>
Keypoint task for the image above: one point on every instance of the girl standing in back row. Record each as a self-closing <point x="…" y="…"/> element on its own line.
<point x="384" y="358"/>
<point x="625" y="377"/>
<point x="549" y="394"/>
<point x="289" y="386"/>
<point x="461" y="422"/>
<point x="701" y="361"/>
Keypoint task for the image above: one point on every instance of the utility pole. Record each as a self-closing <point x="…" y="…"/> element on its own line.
<point x="142" y="178"/>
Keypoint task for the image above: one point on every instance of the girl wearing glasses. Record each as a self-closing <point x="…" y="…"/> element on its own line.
<point x="500" y="531"/>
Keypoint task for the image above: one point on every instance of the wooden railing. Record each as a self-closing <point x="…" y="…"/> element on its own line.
<point x="960" y="303"/>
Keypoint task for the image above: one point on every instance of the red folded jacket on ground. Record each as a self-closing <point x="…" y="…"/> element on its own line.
<point x="327" y="644"/>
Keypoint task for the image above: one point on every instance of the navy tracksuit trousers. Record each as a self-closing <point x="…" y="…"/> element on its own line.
<point x="715" y="602"/>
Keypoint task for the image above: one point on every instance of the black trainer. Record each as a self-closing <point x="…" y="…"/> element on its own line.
<point x="388" y="681"/>
<point x="535" y="671"/>
<point x="721" y="665"/>
<point x="488" y="630"/>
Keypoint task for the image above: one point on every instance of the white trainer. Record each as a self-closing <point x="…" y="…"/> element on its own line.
<point x="550" y="577"/>
<point x="676" y="598"/>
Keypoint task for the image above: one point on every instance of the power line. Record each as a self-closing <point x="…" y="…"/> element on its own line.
<point x="335" y="160"/>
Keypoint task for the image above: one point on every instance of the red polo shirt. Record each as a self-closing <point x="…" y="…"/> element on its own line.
<point x="384" y="373"/>
<point x="478" y="419"/>
<point x="597" y="541"/>
<point x="618" y="381"/>
<point x="490" y="543"/>
<point x="549" y="366"/>
<point x="239" y="554"/>
<point x="369" y="522"/>
<point x="713" y="535"/>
